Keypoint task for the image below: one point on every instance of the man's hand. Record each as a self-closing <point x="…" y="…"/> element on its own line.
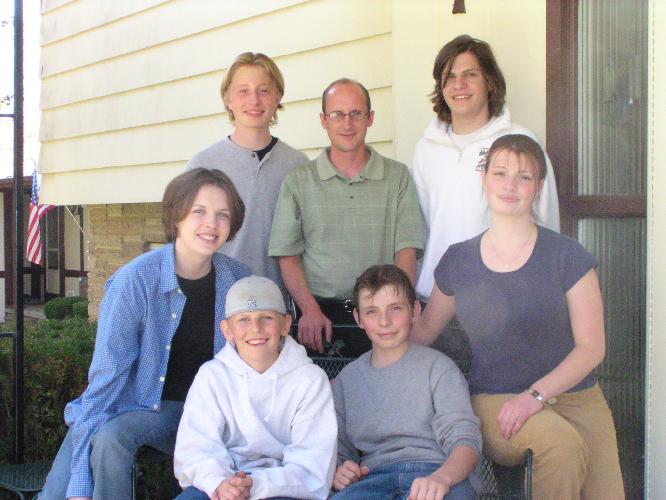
<point x="347" y="473"/>
<point x="234" y="488"/>
<point x="432" y="487"/>
<point x="515" y="412"/>
<point x="310" y="327"/>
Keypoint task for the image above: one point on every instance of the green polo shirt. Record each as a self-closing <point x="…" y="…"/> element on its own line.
<point x="342" y="226"/>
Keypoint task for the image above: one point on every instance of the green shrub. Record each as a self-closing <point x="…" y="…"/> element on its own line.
<point x="57" y="356"/>
<point x="80" y="309"/>
<point x="62" y="307"/>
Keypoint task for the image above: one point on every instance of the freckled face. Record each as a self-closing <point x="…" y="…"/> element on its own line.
<point x="386" y="317"/>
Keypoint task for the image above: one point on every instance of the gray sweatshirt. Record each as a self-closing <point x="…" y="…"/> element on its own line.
<point x="258" y="183"/>
<point x="417" y="409"/>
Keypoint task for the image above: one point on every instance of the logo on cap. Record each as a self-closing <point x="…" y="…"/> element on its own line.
<point x="251" y="304"/>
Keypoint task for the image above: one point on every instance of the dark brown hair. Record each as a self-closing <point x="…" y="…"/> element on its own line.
<point x="345" y="81"/>
<point x="376" y="277"/>
<point x="253" y="59"/>
<point x="521" y="145"/>
<point x="491" y="72"/>
<point x="180" y="193"/>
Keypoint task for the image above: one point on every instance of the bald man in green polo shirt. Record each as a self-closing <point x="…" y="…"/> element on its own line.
<point x="337" y="215"/>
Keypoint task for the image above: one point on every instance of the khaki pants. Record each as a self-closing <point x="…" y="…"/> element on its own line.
<point x="573" y="441"/>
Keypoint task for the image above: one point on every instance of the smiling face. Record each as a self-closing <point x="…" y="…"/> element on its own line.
<point x="206" y="226"/>
<point x="256" y="336"/>
<point x="466" y="91"/>
<point x="346" y="135"/>
<point x="386" y="316"/>
<point x="252" y="97"/>
<point x="511" y="183"/>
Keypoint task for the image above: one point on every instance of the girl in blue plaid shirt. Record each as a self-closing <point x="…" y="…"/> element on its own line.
<point x="157" y="324"/>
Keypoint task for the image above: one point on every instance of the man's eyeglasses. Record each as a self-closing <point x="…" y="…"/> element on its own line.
<point x="338" y="116"/>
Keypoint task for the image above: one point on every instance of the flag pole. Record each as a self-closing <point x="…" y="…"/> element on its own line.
<point x="19" y="401"/>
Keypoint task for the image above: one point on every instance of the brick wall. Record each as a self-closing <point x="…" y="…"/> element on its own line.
<point x="117" y="234"/>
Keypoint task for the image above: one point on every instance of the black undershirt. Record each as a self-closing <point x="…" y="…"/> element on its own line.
<point x="263" y="151"/>
<point x="193" y="343"/>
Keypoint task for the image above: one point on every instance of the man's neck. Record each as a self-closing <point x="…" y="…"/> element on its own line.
<point x="468" y="125"/>
<point x="252" y="139"/>
<point x="349" y="163"/>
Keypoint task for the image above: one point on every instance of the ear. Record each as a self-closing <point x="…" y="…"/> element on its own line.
<point x="286" y="324"/>
<point x="224" y="326"/>
<point x="322" y="119"/>
<point x="416" y="310"/>
<point x="371" y="117"/>
<point x="356" y="318"/>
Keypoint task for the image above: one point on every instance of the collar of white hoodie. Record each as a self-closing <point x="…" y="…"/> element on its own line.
<point x="436" y="130"/>
<point x="291" y="358"/>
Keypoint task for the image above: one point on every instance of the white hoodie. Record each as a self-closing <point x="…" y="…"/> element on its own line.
<point x="448" y="182"/>
<point x="279" y="425"/>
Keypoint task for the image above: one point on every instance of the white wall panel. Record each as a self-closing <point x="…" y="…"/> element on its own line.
<point x="367" y="60"/>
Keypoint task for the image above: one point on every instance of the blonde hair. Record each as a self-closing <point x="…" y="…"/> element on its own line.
<point x="253" y="59"/>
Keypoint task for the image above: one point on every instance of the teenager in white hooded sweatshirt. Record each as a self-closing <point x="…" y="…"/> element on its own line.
<point x="449" y="160"/>
<point x="259" y="420"/>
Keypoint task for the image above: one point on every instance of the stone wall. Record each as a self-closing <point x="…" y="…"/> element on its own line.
<point x="116" y="234"/>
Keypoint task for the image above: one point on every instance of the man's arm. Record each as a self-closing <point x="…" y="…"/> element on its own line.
<point x="313" y="321"/>
<point x="405" y="259"/>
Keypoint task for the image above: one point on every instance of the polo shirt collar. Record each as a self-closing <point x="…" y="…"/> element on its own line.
<point x="374" y="169"/>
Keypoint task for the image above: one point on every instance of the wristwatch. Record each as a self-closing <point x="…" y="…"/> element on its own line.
<point x="537" y="395"/>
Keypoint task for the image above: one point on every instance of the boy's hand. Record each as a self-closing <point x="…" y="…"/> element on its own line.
<point x="347" y="473"/>
<point x="432" y="487"/>
<point x="234" y="488"/>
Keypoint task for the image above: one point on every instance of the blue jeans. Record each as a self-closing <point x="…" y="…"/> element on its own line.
<point x="192" y="493"/>
<point x="393" y="482"/>
<point x="113" y="449"/>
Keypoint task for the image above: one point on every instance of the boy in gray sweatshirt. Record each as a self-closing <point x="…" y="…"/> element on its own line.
<point x="405" y="423"/>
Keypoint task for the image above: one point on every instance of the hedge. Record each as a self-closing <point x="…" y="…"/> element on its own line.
<point x="66" y="307"/>
<point x="57" y="357"/>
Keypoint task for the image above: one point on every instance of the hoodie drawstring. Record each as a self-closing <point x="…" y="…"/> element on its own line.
<point x="270" y="411"/>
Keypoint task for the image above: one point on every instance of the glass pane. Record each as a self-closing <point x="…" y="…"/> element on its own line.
<point x="612" y="95"/>
<point x="619" y="245"/>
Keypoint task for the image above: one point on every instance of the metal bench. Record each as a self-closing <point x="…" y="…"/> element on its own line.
<point x="24" y="480"/>
<point x="500" y="482"/>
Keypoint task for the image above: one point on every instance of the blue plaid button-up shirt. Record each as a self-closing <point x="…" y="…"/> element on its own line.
<point x="138" y="317"/>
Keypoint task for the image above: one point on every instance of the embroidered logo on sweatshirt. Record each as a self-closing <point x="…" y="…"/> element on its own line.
<point x="483" y="158"/>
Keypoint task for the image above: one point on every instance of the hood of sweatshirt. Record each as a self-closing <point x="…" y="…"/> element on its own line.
<point x="260" y="390"/>
<point x="436" y="130"/>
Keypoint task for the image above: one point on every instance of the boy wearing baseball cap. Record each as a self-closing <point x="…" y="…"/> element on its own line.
<point x="258" y="420"/>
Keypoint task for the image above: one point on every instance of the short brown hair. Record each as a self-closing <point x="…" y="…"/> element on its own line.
<point x="521" y="145"/>
<point x="489" y="67"/>
<point x="180" y="193"/>
<point x="376" y="277"/>
<point x="345" y="81"/>
<point x="253" y="59"/>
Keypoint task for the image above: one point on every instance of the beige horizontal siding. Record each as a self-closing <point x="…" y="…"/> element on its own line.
<point x="166" y="23"/>
<point x="126" y="91"/>
<point x="302" y="28"/>
<point x="199" y="96"/>
<point x="178" y="141"/>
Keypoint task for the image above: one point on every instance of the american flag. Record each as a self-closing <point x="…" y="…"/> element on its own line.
<point x="37" y="211"/>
